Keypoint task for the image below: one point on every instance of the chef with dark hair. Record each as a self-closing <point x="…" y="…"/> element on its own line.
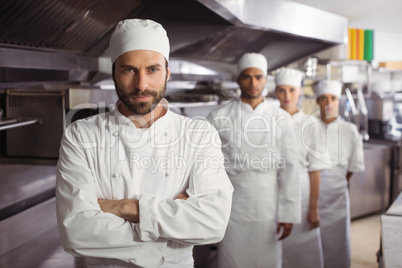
<point x="139" y="186"/>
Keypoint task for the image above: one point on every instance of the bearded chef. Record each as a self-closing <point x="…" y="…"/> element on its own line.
<point x="139" y="186"/>
<point x="343" y="144"/>
<point x="259" y="145"/>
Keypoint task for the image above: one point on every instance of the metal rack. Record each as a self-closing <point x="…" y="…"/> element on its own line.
<point x="8" y="123"/>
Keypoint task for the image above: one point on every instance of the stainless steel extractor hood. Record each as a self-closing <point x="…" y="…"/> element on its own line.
<point x="55" y="40"/>
<point x="283" y="31"/>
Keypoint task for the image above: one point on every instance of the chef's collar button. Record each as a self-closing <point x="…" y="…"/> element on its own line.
<point x="116" y="134"/>
<point x="116" y="175"/>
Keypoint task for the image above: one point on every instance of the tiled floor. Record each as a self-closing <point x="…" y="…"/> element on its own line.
<point x="365" y="241"/>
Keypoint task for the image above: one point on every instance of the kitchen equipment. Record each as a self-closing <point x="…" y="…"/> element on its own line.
<point x="355" y="111"/>
<point x="396" y="65"/>
<point x="362" y="107"/>
<point x="192" y="97"/>
<point x="370" y="190"/>
<point x="310" y="67"/>
<point x="382" y="88"/>
<point x="39" y="140"/>
<point x="55" y="109"/>
<point x="5" y="120"/>
<point x="378" y="129"/>
<point x="380" y="108"/>
<point x="67" y="40"/>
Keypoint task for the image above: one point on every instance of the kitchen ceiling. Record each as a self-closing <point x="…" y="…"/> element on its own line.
<point x="74" y="25"/>
<point x="40" y="37"/>
<point x="384" y="16"/>
<point x="84" y="27"/>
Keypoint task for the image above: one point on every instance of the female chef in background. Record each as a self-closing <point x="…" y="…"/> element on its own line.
<point x="303" y="247"/>
<point x="345" y="155"/>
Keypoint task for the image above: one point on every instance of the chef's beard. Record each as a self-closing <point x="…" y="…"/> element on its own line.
<point x="247" y="96"/>
<point x="143" y="107"/>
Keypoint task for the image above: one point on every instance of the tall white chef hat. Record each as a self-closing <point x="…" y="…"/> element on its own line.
<point x="253" y="60"/>
<point x="138" y="34"/>
<point x="290" y="77"/>
<point x="329" y="87"/>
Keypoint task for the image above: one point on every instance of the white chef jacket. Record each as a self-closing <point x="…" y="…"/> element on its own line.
<point x="260" y="152"/>
<point x="343" y="145"/>
<point x="306" y="133"/>
<point x="107" y="157"/>
<point x="303" y="247"/>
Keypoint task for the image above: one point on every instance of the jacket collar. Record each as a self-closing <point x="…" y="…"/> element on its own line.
<point x="161" y="122"/>
<point x="245" y="107"/>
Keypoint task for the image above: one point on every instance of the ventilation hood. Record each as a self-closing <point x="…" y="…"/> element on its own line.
<point x="66" y="41"/>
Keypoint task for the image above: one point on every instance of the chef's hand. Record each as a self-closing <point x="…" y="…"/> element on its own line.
<point x="313" y="218"/>
<point x="285" y="228"/>
<point x="183" y="196"/>
<point x="127" y="209"/>
<point x="348" y="175"/>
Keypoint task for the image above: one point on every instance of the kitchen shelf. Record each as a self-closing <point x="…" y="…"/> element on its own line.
<point x="387" y="70"/>
<point x="8" y="123"/>
<point x="196" y="104"/>
<point x="349" y="63"/>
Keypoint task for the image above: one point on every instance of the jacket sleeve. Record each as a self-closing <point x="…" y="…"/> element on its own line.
<point x="211" y="120"/>
<point x="289" y="195"/>
<point x="203" y="217"/>
<point x="356" y="161"/>
<point x="84" y="229"/>
<point x="314" y="146"/>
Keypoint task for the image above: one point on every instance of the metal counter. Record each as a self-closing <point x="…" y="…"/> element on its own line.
<point x="391" y="235"/>
<point x="24" y="186"/>
<point x="28" y="227"/>
<point x="31" y="239"/>
<point x="395" y="163"/>
<point x="370" y="190"/>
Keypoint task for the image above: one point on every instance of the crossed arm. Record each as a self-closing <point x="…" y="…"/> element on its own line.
<point x="127" y="209"/>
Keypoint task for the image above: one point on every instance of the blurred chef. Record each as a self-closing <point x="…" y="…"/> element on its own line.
<point x="135" y="186"/>
<point x="342" y="142"/>
<point x="259" y="145"/>
<point x="303" y="247"/>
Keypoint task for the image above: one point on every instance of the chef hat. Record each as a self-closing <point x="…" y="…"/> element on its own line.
<point x="138" y="34"/>
<point x="329" y="87"/>
<point x="253" y="60"/>
<point x="290" y="77"/>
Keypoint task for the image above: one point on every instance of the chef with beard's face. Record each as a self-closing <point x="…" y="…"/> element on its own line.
<point x="140" y="78"/>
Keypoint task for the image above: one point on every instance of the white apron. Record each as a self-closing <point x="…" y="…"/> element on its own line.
<point x="302" y="248"/>
<point x="250" y="240"/>
<point x="256" y="141"/>
<point x="335" y="218"/>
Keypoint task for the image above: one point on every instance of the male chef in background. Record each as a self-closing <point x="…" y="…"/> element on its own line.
<point x="139" y="186"/>
<point x="259" y="143"/>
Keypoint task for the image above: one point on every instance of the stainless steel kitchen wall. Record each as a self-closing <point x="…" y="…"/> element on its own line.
<point x="70" y="35"/>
